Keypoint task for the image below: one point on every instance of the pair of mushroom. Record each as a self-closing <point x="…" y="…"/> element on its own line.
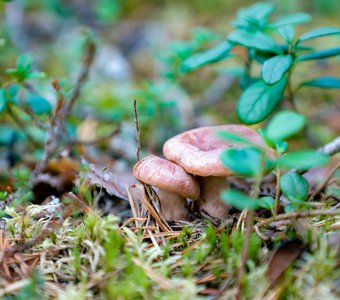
<point x="192" y="169"/>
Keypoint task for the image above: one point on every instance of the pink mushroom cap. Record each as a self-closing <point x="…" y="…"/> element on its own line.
<point x="199" y="150"/>
<point x="167" y="176"/>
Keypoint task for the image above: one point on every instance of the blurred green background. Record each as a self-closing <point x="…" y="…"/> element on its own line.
<point x="139" y="47"/>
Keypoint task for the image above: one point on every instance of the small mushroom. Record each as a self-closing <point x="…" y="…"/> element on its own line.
<point x="173" y="182"/>
<point x="198" y="151"/>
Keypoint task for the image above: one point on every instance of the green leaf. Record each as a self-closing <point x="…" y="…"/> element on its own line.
<point x="253" y="16"/>
<point x="6" y="134"/>
<point x="303" y="159"/>
<point x="36" y="75"/>
<point x="246" y="162"/>
<point x="256" y="40"/>
<point x="326" y="82"/>
<point x="24" y="62"/>
<point x="275" y="68"/>
<point x="294" y="186"/>
<point x="13" y="92"/>
<point x="290" y="208"/>
<point x="38" y="104"/>
<point x="319" y="32"/>
<point x="298" y="18"/>
<point x="266" y="202"/>
<point x="239" y="200"/>
<point x="258" y="11"/>
<point x="281" y="146"/>
<point x="212" y="55"/>
<point x="320" y="54"/>
<point x="287" y="32"/>
<point x="284" y="124"/>
<point x="259" y="100"/>
<point x="3" y="100"/>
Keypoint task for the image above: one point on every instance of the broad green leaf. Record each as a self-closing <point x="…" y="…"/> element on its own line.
<point x="303" y="159"/>
<point x="239" y="200"/>
<point x="298" y="18"/>
<point x="248" y="161"/>
<point x="294" y="186"/>
<point x="290" y="208"/>
<point x="38" y="104"/>
<point x="319" y="54"/>
<point x="259" y="100"/>
<point x="284" y="124"/>
<point x="275" y="68"/>
<point x="3" y="100"/>
<point x="36" y="75"/>
<point x="214" y="54"/>
<point x="258" y="11"/>
<point x="256" y="40"/>
<point x="24" y="62"/>
<point x="6" y="134"/>
<point x="319" y="32"/>
<point x="287" y="32"/>
<point x="13" y="93"/>
<point x="16" y="73"/>
<point x="254" y="16"/>
<point x="304" y="48"/>
<point x="266" y="202"/>
<point x="281" y="146"/>
<point x="326" y="82"/>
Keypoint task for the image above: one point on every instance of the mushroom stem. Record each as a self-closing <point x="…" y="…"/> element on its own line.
<point x="172" y="205"/>
<point x="210" y="198"/>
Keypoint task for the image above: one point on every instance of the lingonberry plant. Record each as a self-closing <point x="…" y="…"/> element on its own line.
<point x="254" y="162"/>
<point x="273" y="44"/>
<point x="19" y="99"/>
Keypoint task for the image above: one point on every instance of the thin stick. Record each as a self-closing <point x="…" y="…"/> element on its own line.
<point x="327" y="179"/>
<point x="137" y="129"/>
<point x="332" y="147"/>
<point x="246" y="239"/>
<point x="278" y="192"/>
<point x="22" y="126"/>
<point x="83" y="75"/>
<point x="56" y="131"/>
<point x="303" y="214"/>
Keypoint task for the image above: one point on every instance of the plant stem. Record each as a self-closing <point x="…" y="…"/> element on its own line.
<point x="300" y="214"/>
<point x="22" y="126"/>
<point x="277" y="195"/>
<point x="290" y="91"/>
<point x="248" y="66"/>
<point x="246" y="240"/>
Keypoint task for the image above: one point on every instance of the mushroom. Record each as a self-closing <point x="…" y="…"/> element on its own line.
<point x="173" y="182"/>
<point x="198" y="151"/>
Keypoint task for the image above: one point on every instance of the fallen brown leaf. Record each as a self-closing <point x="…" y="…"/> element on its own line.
<point x="282" y="257"/>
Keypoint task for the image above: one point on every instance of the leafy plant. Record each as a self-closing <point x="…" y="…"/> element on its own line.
<point x="259" y="34"/>
<point x="254" y="162"/>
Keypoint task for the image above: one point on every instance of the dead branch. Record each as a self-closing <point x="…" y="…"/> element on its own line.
<point x="297" y="215"/>
<point x="137" y="129"/>
<point x="56" y="131"/>
<point x="332" y="147"/>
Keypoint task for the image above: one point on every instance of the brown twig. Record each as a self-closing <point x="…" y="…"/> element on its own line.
<point x="137" y="130"/>
<point x="246" y="240"/>
<point x="297" y="215"/>
<point x="56" y="131"/>
<point x="325" y="181"/>
<point x="331" y="148"/>
<point x="22" y="126"/>
<point x="90" y="51"/>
